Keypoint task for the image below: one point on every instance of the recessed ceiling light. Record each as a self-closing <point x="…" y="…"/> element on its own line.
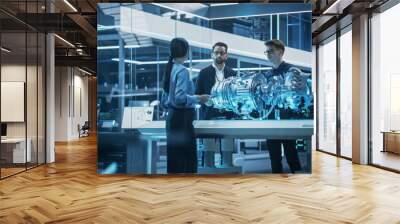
<point x="117" y="47"/>
<point x="222" y="4"/>
<point x="70" y="5"/>
<point x="84" y="71"/>
<point x="5" y="50"/>
<point x="64" y="40"/>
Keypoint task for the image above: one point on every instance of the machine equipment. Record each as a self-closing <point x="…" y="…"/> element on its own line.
<point x="253" y="92"/>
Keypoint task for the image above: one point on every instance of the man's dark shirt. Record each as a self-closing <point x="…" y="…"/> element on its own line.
<point x="205" y="82"/>
<point x="288" y="113"/>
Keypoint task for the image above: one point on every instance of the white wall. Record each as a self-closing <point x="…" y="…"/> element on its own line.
<point x="79" y="117"/>
<point x="12" y="73"/>
<point x="62" y="82"/>
<point x="33" y="126"/>
<point x="71" y="87"/>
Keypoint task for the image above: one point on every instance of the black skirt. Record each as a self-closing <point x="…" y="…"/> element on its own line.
<point x="181" y="141"/>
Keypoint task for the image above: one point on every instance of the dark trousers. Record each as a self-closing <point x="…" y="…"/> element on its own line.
<point x="181" y="141"/>
<point x="274" y="147"/>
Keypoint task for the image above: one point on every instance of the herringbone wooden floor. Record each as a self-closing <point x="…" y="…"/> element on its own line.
<point x="70" y="191"/>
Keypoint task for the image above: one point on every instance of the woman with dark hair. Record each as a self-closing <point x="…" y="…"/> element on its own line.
<point x="180" y="101"/>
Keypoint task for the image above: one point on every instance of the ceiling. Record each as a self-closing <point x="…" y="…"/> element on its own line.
<point x="75" y="21"/>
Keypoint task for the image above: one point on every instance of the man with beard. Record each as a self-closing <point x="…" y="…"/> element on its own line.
<point x="208" y="76"/>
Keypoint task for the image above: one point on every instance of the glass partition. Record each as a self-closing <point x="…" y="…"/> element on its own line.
<point x="346" y="93"/>
<point x="41" y="97"/>
<point x="22" y="89"/>
<point x="32" y="98"/>
<point x="385" y="89"/>
<point x="14" y="68"/>
<point x="327" y="95"/>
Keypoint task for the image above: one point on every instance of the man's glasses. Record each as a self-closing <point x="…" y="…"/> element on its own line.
<point x="219" y="53"/>
<point x="269" y="51"/>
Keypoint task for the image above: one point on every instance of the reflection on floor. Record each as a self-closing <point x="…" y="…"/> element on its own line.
<point x="264" y="165"/>
<point x="10" y="169"/>
<point x="386" y="159"/>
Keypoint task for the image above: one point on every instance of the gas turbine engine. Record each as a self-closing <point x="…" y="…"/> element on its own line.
<point x="253" y="92"/>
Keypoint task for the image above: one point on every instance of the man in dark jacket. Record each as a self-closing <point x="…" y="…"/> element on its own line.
<point x="274" y="52"/>
<point x="207" y="78"/>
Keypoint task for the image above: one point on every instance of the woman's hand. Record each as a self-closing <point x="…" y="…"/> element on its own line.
<point x="203" y="98"/>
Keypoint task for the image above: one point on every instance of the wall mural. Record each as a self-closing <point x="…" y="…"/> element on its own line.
<point x="204" y="88"/>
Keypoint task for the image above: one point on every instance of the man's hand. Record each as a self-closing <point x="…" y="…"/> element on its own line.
<point x="297" y="82"/>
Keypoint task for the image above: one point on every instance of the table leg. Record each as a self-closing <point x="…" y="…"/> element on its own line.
<point x="149" y="160"/>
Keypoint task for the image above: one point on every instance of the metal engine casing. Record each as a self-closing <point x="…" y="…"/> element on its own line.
<point x="238" y="94"/>
<point x="253" y="92"/>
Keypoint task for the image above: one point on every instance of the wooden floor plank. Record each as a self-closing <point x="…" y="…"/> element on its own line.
<point x="70" y="191"/>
